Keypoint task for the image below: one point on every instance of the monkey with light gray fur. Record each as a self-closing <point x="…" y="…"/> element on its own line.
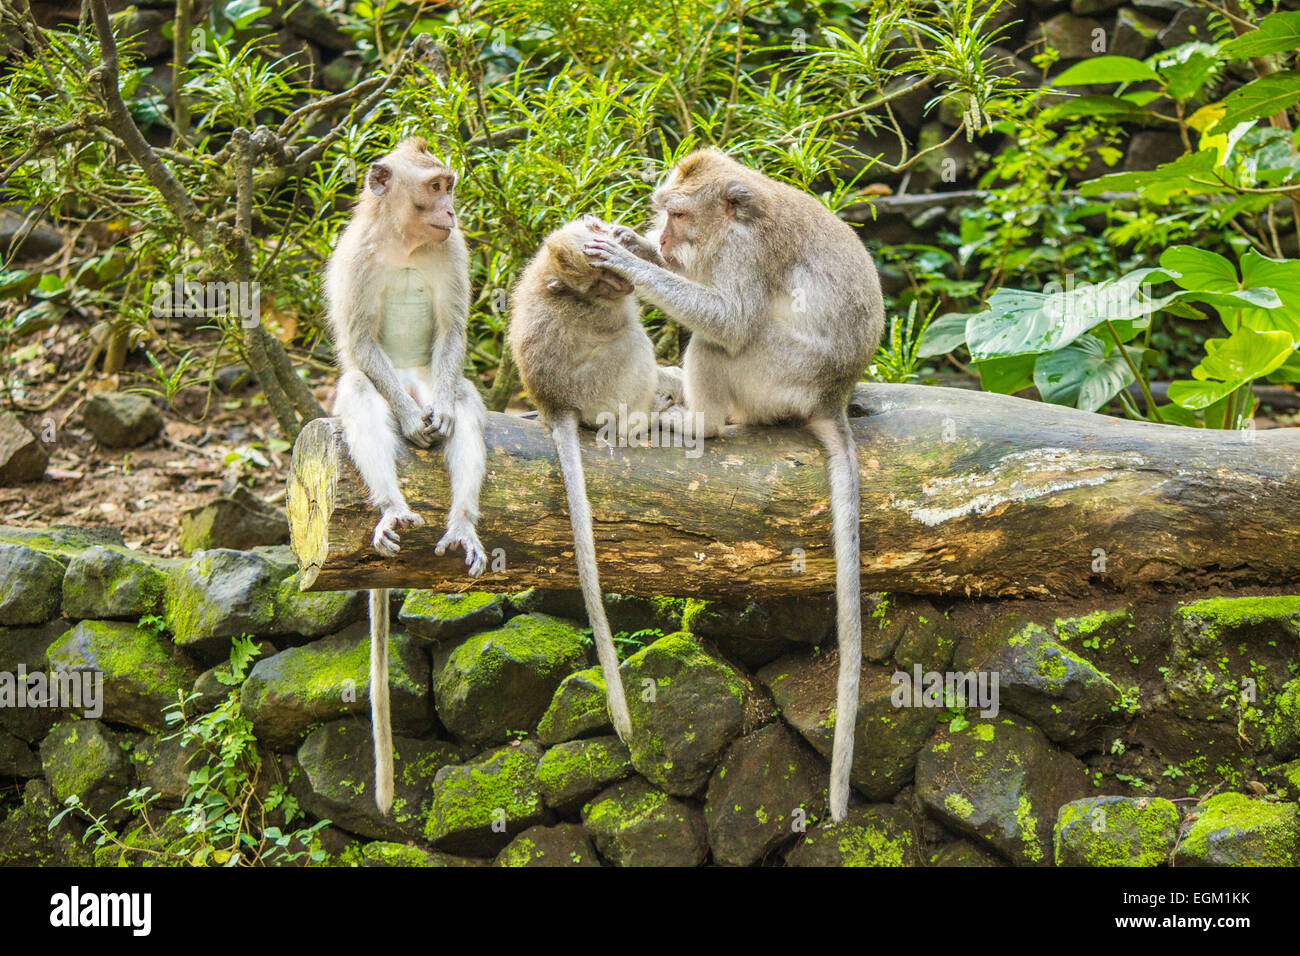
<point x="784" y="308"/>
<point x="581" y="352"/>
<point x="397" y="286"/>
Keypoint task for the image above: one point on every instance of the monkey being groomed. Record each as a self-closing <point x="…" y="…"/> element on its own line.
<point x="784" y="308"/>
<point x="583" y="356"/>
<point x="397" y="286"/>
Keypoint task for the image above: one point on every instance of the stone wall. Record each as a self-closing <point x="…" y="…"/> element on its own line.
<point x="1108" y="713"/>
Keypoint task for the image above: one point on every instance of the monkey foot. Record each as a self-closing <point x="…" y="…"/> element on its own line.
<point x="461" y="534"/>
<point x="385" y="540"/>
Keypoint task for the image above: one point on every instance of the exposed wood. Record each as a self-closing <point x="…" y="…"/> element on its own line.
<point x="962" y="492"/>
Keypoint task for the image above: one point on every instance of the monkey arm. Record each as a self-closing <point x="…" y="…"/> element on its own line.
<point x="373" y="363"/>
<point x="714" y="313"/>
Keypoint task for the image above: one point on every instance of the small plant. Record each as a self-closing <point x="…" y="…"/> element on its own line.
<point x="229" y="815"/>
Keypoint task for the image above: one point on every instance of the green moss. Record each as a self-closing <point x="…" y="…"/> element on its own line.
<point x="869" y="846"/>
<point x="1212" y="617"/>
<point x="1027" y="824"/>
<point x="959" y="806"/>
<point x="1272" y="830"/>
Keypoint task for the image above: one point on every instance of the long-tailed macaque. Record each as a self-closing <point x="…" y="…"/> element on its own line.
<point x="784" y="308"/>
<point x="581" y="352"/>
<point x="397" y="285"/>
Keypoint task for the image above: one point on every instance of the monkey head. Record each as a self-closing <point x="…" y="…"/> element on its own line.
<point x="414" y="188"/>
<point x="570" y="270"/>
<point x="704" y="198"/>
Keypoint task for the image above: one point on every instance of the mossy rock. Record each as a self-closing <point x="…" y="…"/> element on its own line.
<point x="894" y="621"/>
<point x="337" y="782"/>
<point x="141" y="673"/>
<point x="1064" y="694"/>
<point x="435" y="616"/>
<point x="766" y="785"/>
<point x="886" y="737"/>
<point x="315" y="613"/>
<point x="1101" y="627"/>
<point x="869" y="836"/>
<point x="636" y="824"/>
<point x="61" y="541"/>
<point x="964" y="853"/>
<point x="114" y="583"/>
<point x="1213" y="622"/>
<point x="83" y="758"/>
<point x="381" y="854"/>
<point x="564" y="845"/>
<point x="481" y="805"/>
<point x="27" y="840"/>
<point x="758" y="632"/>
<point x="221" y="594"/>
<point x="928" y="637"/>
<point x="578" y="709"/>
<point x="1115" y="831"/>
<point x="1231" y="829"/>
<point x="1000" y="782"/>
<point x="213" y="687"/>
<point x="30" y="584"/>
<point x="1284" y="724"/>
<point x="569" y="773"/>
<point x="17" y="762"/>
<point x="22" y="652"/>
<point x="163" y="766"/>
<point x="287" y="693"/>
<point x="686" y="706"/>
<point x="501" y="681"/>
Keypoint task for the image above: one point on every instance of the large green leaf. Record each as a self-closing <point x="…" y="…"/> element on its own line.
<point x="1283" y="277"/>
<point x="1083" y="375"/>
<point x="1288" y="371"/>
<point x="1189" y="175"/>
<point x="1108" y="107"/>
<point x="1006" y="375"/>
<point x="1200" y="269"/>
<point x="1019" y="322"/>
<point x="1105" y="69"/>
<point x="1187" y="68"/>
<point x="1196" y="395"/>
<point x="1277" y="33"/>
<point x="944" y="334"/>
<point x="1259" y="98"/>
<point x="1243" y="356"/>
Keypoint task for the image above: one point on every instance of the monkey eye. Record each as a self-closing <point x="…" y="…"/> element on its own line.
<point x="421" y="207"/>
<point x="677" y="215"/>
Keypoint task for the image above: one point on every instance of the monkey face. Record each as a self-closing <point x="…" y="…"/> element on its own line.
<point x="571" y="270"/>
<point x="701" y="199"/>
<point x="416" y="188"/>
<point x="432" y="212"/>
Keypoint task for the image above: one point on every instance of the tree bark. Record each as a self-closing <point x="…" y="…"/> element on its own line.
<point x="966" y="493"/>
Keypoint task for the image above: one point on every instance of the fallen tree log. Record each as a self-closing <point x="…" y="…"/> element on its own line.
<point x="963" y="492"/>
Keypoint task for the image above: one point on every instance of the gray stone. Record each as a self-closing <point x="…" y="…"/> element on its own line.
<point x="1231" y="829"/>
<point x="22" y="456"/>
<point x="766" y="784"/>
<point x="1134" y="34"/>
<point x="386" y="855"/>
<point x="30" y="584"/>
<point x="1151" y="148"/>
<point x="16" y="758"/>
<point x="83" y="758"/>
<point x="1000" y="782"/>
<point x="481" y="805"/>
<point x="869" y="836"/>
<point x="27" y="840"/>
<point x="501" y="682"/>
<point x="1190" y="23"/>
<point x="22" y="655"/>
<point x="1115" y="831"/>
<point x="103" y="582"/>
<point x="578" y="709"/>
<point x="141" y="674"/>
<point x="563" y="845"/>
<point x="886" y="737"/>
<point x="287" y="693"/>
<point x="570" y="773"/>
<point x="686" y="706"/>
<point x="239" y="520"/>
<point x="634" y="824"/>
<point x="221" y="594"/>
<point x="121" y="420"/>
<point x="315" y="613"/>
<point x="1070" y="35"/>
<point x="435" y="616"/>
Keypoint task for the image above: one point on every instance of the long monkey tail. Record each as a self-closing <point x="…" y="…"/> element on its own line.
<point x="381" y="722"/>
<point x="842" y="469"/>
<point x="564" y="432"/>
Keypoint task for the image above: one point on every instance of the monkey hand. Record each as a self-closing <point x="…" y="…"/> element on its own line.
<point x="461" y="534"/>
<point x="439" y="418"/>
<point x="605" y="253"/>
<point x="415" y="430"/>
<point x="385" y="539"/>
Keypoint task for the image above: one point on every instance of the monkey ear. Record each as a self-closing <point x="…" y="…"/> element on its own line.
<point x="591" y="222"/>
<point x="739" y="199"/>
<point x="567" y="255"/>
<point x="378" y="178"/>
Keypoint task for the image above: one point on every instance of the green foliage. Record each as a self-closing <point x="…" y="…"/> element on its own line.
<point x="231" y="815"/>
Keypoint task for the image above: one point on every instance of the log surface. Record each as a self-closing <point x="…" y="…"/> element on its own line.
<point x="963" y="492"/>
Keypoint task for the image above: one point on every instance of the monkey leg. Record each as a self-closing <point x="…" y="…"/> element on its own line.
<point x="373" y="443"/>
<point x="842" y="471"/>
<point x="708" y="392"/>
<point x="466" y="457"/>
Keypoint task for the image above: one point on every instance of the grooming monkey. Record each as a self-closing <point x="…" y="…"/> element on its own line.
<point x="784" y="306"/>
<point x="580" y="348"/>
<point x="397" y="286"/>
